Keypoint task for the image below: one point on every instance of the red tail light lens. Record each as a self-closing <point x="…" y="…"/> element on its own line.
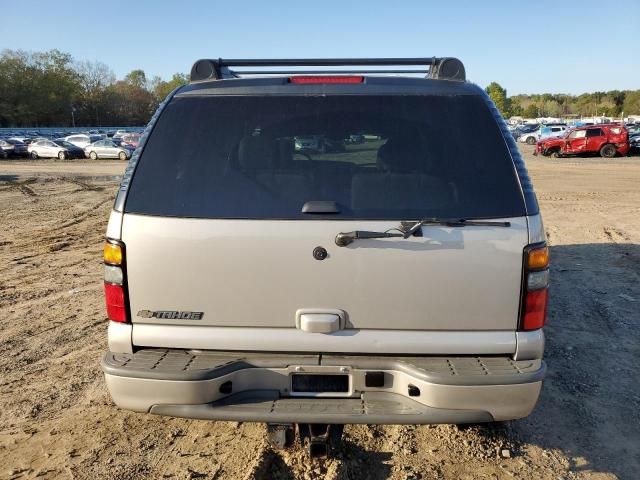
<point x="535" y="310"/>
<point x="535" y="287"/>
<point x="326" y="79"/>
<point x="115" y="281"/>
<point x="114" y="298"/>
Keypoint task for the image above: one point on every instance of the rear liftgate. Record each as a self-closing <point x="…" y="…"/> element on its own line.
<point x="321" y="439"/>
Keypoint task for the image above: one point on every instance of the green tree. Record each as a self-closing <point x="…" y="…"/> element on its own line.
<point x="516" y="109"/>
<point x="94" y="78"/>
<point x="531" y="111"/>
<point x="499" y="97"/>
<point x="631" y="104"/>
<point x="137" y="78"/>
<point x="161" y="89"/>
<point x="129" y="104"/>
<point x="37" y="89"/>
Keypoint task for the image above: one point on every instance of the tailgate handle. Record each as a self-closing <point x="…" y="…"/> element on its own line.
<point x="319" y="322"/>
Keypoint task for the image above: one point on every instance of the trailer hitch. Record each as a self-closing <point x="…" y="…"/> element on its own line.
<point x="321" y="439"/>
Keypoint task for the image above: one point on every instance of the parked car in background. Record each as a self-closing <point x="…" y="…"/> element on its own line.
<point x="312" y="143"/>
<point x="47" y="149"/>
<point x="605" y="140"/>
<point x="319" y="144"/>
<point x="13" y="147"/>
<point x="81" y="140"/>
<point x="130" y="141"/>
<point x="106" y="149"/>
<point x="118" y="134"/>
<point x="20" y="138"/>
<point x="541" y="131"/>
<point x="73" y="151"/>
<point x="528" y="135"/>
<point x="355" y="139"/>
<point x="551" y="131"/>
<point x="525" y="128"/>
<point x="634" y="130"/>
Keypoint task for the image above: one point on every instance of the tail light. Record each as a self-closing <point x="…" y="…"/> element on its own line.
<point x="535" y="288"/>
<point x="115" y="292"/>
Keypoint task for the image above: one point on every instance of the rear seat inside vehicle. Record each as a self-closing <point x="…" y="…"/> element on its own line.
<point x="269" y="162"/>
<point x="401" y="173"/>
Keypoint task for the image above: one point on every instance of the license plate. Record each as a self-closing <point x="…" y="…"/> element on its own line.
<point x="308" y="383"/>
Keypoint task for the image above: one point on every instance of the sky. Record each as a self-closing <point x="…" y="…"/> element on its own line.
<point x="528" y="47"/>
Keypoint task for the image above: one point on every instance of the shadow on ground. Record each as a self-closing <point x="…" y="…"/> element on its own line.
<point x="590" y="404"/>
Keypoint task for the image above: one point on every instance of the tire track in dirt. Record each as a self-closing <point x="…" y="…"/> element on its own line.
<point x="84" y="185"/>
<point x="84" y="215"/>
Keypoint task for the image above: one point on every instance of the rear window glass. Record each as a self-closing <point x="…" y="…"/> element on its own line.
<point x="376" y="157"/>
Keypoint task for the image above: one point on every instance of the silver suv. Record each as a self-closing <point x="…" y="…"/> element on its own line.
<point x="398" y="279"/>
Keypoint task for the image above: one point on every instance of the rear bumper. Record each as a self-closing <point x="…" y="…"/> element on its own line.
<point x="623" y="149"/>
<point x="257" y="387"/>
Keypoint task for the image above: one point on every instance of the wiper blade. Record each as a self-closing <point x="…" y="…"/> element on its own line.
<point x="345" y="238"/>
<point x="409" y="228"/>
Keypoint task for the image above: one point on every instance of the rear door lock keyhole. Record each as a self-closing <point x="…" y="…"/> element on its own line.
<point x="320" y="253"/>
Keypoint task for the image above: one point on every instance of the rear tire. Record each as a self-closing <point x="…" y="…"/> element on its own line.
<point x="608" y="151"/>
<point x="93" y="156"/>
<point x="531" y="140"/>
<point x="62" y="155"/>
<point x="123" y="156"/>
<point x="34" y="155"/>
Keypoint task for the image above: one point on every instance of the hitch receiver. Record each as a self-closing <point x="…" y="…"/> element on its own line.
<point x="322" y="439"/>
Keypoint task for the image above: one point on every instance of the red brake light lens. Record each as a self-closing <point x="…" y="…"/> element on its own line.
<point x="535" y="309"/>
<point x="535" y="287"/>
<point x="114" y="298"/>
<point x="326" y="79"/>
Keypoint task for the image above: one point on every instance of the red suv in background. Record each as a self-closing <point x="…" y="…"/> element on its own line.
<point x="608" y="140"/>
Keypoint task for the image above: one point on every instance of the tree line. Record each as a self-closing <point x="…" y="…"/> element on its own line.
<point x="613" y="103"/>
<point x="51" y="89"/>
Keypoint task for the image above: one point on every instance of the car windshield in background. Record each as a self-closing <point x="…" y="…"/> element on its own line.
<point x="374" y="157"/>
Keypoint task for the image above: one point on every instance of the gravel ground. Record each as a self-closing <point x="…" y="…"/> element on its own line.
<point x="57" y="420"/>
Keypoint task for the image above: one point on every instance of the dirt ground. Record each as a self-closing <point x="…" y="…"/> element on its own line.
<point x="57" y="420"/>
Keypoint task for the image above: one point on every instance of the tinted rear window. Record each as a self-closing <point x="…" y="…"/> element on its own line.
<point x="376" y="157"/>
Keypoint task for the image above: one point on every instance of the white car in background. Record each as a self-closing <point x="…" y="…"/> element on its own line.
<point x="106" y="149"/>
<point x="531" y="138"/>
<point x="47" y="149"/>
<point x="81" y="140"/>
<point x="551" y="131"/>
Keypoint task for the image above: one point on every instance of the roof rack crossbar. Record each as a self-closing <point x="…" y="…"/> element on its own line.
<point x="447" y="68"/>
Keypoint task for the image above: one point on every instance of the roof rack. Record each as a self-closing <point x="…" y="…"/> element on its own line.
<point x="445" y="68"/>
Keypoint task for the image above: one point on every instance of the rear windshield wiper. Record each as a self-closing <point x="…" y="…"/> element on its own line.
<point x="407" y="229"/>
<point x="345" y="238"/>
